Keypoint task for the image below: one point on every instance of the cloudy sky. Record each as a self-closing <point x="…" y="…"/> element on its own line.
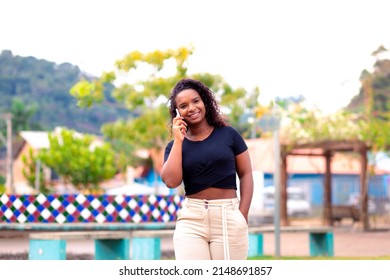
<point x="287" y="48"/>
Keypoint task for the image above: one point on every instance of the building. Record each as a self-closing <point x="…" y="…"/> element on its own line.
<point x="308" y="173"/>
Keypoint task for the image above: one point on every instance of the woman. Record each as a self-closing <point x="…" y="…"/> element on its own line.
<point x="206" y="155"/>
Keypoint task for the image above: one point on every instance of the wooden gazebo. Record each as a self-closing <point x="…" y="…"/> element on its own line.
<point x="326" y="149"/>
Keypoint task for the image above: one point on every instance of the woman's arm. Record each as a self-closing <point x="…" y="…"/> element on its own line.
<point x="244" y="171"/>
<point x="172" y="172"/>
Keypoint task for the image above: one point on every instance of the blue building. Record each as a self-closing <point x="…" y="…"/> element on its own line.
<point x="308" y="173"/>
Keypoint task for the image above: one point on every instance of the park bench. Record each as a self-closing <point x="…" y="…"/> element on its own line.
<point x="320" y="239"/>
<point x="122" y="241"/>
<point x="340" y="212"/>
<point x="116" y="241"/>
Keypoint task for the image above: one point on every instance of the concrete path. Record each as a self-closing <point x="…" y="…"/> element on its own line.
<point x="348" y="242"/>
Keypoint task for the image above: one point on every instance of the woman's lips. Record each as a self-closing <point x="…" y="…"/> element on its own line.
<point x="193" y="116"/>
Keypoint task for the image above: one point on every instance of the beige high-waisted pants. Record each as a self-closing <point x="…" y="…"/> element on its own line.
<point x="210" y="230"/>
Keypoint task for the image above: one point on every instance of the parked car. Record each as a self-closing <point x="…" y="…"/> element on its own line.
<point x="297" y="203"/>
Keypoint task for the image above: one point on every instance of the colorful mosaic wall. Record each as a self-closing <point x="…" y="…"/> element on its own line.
<point x="80" y="208"/>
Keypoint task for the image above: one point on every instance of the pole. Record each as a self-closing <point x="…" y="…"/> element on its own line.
<point x="37" y="174"/>
<point x="277" y="192"/>
<point x="277" y="182"/>
<point x="10" y="177"/>
<point x="271" y="122"/>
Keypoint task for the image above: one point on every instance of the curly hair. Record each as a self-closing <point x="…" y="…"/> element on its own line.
<point x="213" y="115"/>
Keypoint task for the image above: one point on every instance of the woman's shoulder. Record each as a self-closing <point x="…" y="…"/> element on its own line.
<point x="227" y="129"/>
<point x="227" y="132"/>
<point x="170" y="144"/>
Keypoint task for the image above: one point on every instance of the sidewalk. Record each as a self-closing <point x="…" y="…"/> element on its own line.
<point x="348" y="242"/>
<point x="349" y="239"/>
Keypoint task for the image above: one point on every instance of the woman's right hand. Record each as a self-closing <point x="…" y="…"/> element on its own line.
<point x="179" y="128"/>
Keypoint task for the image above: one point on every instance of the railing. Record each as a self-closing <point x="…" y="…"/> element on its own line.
<point x="80" y="208"/>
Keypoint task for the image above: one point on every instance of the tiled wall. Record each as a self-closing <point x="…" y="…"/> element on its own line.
<point x="80" y="208"/>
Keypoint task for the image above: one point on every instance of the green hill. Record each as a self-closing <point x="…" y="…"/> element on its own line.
<point x="45" y="85"/>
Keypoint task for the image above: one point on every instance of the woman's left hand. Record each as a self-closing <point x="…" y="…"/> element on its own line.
<point x="245" y="214"/>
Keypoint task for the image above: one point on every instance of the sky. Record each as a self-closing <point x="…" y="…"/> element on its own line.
<point x="316" y="49"/>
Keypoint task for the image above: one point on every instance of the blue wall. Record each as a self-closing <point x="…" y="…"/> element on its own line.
<point x="342" y="186"/>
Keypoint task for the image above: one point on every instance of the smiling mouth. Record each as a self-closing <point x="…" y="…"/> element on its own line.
<point x="193" y="116"/>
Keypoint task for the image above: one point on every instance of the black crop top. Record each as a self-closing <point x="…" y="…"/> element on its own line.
<point x="210" y="162"/>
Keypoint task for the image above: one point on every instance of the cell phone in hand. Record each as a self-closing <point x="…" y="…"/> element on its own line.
<point x="178" y="115"/>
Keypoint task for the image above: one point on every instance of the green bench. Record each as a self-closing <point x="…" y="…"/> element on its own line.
<point x="112" y="241"/>
<point x="123" y="241"/>
<point x="320" y="239"/>
<point x="340" y="212"/>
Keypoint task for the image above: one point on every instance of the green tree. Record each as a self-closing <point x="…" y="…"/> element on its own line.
<point x="372" y="104"/>
<point x="79" y="159"/>
<point x="2" y="184"/>
<point x="302" y="125"/>
<point x="366" y="118"/>
<point x="30" y="163"/>
<point x="22" y="115"/>
<point x="374" y="95"/>
<point x="21" y="118"/>
<point x="146" y="97"/>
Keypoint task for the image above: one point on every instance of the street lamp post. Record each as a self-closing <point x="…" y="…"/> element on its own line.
<point x="10" y="177"/>
<point x="271" y="122"/>
<point x="275" y="134"/>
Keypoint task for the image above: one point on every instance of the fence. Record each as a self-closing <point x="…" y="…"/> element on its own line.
<point x="345" y="190"/>
<point x="80" y="208"/>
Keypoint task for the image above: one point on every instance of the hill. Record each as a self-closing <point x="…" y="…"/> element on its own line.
<point x="45" y="85"/>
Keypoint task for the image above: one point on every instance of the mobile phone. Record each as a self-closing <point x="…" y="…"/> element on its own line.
<point x="178" y="115"/>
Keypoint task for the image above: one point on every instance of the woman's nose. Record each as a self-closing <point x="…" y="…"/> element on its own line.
<point x="191" y="107"/>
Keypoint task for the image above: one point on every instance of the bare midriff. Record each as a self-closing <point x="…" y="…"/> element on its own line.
<point x="214" y="193"/>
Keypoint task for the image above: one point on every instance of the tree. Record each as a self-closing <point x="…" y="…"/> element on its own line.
<point x="30" y="163"/>
<point x="366" y="118"/>
<point x="2" y="184"/>
<point x="22" y="115"/>
<point x="21" y="118"/>
<point x="374" y="95"/>
<point x="79" y="159"/>
<point x="303" y="126"/>
<point x="146" y="97"/>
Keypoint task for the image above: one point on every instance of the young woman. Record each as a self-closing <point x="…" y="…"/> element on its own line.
<point x="207" y="155"/>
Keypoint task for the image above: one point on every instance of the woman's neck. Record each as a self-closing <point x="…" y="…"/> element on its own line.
<point x="199" y="132"/>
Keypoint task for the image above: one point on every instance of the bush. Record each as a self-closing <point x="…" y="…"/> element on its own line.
<point x="2" y="184"/>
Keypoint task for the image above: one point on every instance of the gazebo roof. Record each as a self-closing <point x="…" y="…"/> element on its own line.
<point x="304" y="159"/>
<point x="320" y="147"/>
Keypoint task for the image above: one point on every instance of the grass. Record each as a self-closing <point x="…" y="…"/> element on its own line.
<point x="317" y="258"/>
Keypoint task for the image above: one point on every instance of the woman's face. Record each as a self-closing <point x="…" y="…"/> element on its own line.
<point x="191" y="106"/>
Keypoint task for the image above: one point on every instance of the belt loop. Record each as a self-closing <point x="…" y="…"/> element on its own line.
<point x="234" y="203"/>
<point x="225" y="234"/>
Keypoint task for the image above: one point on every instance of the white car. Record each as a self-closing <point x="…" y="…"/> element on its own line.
<point x="297" y="204"/>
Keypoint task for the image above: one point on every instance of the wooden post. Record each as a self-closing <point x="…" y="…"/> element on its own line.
<point x="283" y="189"/>
<point x="364" y="188"/>
<point x="327" y="213"/>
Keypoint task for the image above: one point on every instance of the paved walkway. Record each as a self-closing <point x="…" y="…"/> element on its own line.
<point x="348" y="242"/>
